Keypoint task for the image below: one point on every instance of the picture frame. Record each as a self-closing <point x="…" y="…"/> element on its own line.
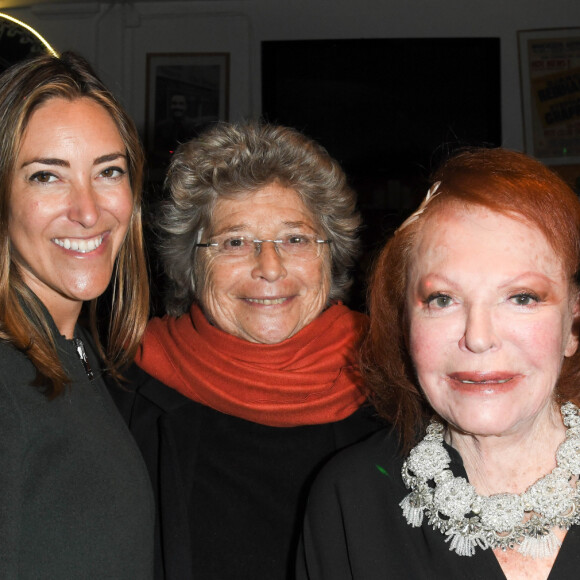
<point x="550" y="85"/>
<point x="186" y="93"/>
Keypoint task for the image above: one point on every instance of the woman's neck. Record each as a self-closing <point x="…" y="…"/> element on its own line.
<point x="510" y="463"/>
<point x="65" y="318"/>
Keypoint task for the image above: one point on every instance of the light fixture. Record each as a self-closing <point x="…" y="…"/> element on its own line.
<point x="31" y="30"/>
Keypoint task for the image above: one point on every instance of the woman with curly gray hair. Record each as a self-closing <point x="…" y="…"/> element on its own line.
<point x="250" y="382"/>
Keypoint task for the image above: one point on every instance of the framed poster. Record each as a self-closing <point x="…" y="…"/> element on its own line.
<point x="550" y="81"/>
<point x="186" y="93"/>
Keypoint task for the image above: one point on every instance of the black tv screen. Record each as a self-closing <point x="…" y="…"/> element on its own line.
<point x="386" y="105"/>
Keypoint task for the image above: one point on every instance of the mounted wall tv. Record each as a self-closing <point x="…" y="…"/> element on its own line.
<point x="387" y="109"/>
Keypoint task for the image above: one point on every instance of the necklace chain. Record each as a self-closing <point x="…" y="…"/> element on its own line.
<point x="525" y="522"/>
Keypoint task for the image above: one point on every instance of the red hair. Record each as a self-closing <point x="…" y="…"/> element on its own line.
<point x="507" y="182"/>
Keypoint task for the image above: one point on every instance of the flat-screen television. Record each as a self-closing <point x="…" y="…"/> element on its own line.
<point x="388" y="109"/>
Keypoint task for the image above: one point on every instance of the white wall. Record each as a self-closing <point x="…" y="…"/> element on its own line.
<point x="116" y="37"/>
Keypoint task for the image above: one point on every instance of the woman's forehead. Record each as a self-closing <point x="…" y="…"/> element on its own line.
<point x="272" y="205"/>
<point x="474" y="238"/>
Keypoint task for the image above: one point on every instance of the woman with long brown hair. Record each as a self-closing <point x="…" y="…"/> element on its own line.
<point x="75" y="497"/>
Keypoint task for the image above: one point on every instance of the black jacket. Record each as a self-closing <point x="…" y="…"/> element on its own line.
<point x="230" y="493"/>
<point x="75" y="498"/>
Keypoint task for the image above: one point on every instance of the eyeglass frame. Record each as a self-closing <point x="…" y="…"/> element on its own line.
<point x="258" y="243"/>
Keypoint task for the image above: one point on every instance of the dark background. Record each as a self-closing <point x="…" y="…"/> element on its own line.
<point x="389" y="110"/>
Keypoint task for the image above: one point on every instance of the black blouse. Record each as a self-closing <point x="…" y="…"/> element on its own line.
<point x="354" y="528"/>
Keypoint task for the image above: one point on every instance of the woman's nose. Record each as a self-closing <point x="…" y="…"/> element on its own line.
<point x="480" y="334"/>
<point x="268" y="263"/>
<point x="84" y="208"/>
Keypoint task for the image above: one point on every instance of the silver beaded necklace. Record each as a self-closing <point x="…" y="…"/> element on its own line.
<point x="470" y="520"/>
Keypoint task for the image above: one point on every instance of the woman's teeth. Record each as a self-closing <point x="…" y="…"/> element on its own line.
<point x="485" y="382"/>
<point x="266" y="302"/>
<point x="77" y="245"/>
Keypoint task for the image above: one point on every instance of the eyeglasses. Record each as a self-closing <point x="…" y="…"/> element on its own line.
<point x="293" y="246"/>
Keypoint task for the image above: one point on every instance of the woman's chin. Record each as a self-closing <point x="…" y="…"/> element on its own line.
<point x="494" y="420"/>
<point x="266" y="335"/>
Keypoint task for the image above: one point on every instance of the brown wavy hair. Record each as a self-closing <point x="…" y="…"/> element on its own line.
<point x="23" y="88"/>
<point x="502" y="181"/>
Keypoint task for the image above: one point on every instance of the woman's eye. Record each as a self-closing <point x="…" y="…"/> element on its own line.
<point x="233" y="243"/>
<point x="298" y="239"/>
<point x="524" y="299"/>
<point x="113" y="172"/>
<point x="43" y="177"/>
<point x="439" y="301"/>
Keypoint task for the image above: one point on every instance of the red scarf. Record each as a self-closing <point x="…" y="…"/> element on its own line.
<point x="310" y="378"/>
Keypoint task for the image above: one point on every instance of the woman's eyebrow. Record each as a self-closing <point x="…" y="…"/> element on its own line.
<point x="297" y="225"/>
<point x="232" y="229"/>
<point x="63" y="163"/>
<point x="109" y="157"/>
<point x="46" y="161"/>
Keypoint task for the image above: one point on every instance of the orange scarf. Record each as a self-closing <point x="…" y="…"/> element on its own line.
<point x="308" y="379"/>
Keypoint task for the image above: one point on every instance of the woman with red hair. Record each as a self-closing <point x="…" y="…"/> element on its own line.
<point x="473" y="356"/>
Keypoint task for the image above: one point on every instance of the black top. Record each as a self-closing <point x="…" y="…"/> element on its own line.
<point x="354" y="528"/>
<point x="231" y="493"/>
<point x="75" y="498"/>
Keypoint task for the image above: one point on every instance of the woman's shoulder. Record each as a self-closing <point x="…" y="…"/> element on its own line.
<point x="138" y="390"/>
<point x="8" y="353"/>
<point x="354" y="490"/>
<point x="383" y="443"/>
<point x="15" y="367"/>
<point x="379" y="454"/>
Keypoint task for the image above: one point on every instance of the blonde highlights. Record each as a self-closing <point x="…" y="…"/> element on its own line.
<point x="23" y="88"/>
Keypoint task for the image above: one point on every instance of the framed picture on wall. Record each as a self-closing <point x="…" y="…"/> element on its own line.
<point x="186" y="93"/>
<point x="550" y="82"/>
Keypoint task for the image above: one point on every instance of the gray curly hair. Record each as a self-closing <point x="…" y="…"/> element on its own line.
<point x="231" y="160"/>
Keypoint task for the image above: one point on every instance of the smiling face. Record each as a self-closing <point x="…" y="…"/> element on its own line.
<point x="490" y="313"/>
<point x="70" y="205"/>
<point x="264" y="298"/>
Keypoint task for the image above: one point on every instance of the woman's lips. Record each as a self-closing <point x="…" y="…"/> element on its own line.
<point x="487" y="382"/>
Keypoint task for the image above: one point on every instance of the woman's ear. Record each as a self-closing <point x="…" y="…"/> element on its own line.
<point x="573" y="339"/>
